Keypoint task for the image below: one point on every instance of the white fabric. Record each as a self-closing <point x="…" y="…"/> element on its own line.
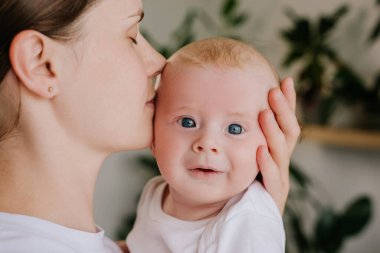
<point x="249" y="222"/>
<point x="21" y="233"/>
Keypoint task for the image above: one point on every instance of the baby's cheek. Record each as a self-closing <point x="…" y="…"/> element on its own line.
<point x="246" y="155"/>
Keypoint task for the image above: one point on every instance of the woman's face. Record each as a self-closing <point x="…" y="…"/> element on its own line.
<point x="106" y="93"/>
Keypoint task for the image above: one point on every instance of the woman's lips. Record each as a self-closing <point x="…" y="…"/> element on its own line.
<point x="151" y="102"/>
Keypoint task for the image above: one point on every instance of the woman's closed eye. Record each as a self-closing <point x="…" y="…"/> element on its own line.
<point x="187" y="122"/>
<point x="133" y="34"/>
<point x="235" y="129"/>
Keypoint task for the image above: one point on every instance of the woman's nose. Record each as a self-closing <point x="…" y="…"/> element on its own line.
<point x="153" y="60"/>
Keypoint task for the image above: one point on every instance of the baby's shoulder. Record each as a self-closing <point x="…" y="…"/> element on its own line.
<point x="152" y="190"/>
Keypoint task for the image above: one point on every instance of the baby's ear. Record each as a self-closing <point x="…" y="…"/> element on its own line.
<point x="32" y="56"/>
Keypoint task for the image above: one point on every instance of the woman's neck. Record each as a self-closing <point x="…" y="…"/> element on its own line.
<point x="51" y="182"/>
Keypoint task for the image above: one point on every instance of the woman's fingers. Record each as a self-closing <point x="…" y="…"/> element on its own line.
<point x="273" y="161"/>
<point x="276" y="141"/>
<point x="273" y="180"/>
<point x="287" y="88"/>
<point x="283" y="106"/>
<point x="281" y="129"/>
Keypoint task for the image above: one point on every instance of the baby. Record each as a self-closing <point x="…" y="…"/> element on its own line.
<point x="206" y="136"/>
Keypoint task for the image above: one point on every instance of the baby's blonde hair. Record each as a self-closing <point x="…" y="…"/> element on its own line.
<point x="221" y="52"/>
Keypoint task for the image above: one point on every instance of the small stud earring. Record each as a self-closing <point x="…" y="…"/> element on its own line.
<point x="50" y="89"/>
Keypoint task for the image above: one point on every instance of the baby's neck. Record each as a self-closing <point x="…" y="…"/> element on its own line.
<point x="182" y="209"/>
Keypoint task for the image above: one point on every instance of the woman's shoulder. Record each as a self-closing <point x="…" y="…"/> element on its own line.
<point x="22" y="233"/>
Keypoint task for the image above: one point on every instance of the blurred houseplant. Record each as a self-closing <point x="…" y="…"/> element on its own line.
<point x="331" y="228"/>
<point x="328" y="228"/>
<point x="325" y="81"/>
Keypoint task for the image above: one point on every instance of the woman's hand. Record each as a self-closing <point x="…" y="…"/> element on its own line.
<point x="281" y="130"/>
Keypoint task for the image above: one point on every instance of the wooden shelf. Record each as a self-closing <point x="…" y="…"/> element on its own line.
<point x="352" y="138"/>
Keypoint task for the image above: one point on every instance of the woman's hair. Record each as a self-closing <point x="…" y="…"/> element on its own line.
<point x="57" y="19"/>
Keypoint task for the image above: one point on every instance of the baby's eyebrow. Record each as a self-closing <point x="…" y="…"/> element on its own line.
<point x="242" y="114"/>
<point x="182" y="108"/>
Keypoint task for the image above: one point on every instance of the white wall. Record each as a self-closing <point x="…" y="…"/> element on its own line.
<point x="344" y="173"/>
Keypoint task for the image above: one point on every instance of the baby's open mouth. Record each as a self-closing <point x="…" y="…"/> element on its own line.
<point x="205" y="170"/>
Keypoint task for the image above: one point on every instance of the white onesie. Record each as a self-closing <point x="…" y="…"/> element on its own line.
<point x="249" y="222"/>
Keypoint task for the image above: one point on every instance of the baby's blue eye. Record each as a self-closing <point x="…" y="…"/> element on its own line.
<point x="188" y="122"/>
<point x="235" y="129"/>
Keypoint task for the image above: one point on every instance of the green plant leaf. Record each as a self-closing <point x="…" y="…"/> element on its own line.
<point x="185" y="30"/>
<point x="300" y="238"/>
<point x="372" y="105"/>
<point x="329" y="53"/>
<point x="326" y="108"/>
<point x="238" y="20"/>
<point x="300" y="34"/>
<point x="375" y="32"/>
<point x="327" y="234"/>
<point x="292" y="57"/>
<point x="356" y="216"/>
<point x="376" y="86"/>
<point x="313" y="71"/>
<point x="341" y="11"/>
<point x="298" y="176"/>
<point x="327" y="23"/>
<point x="348" y="86"/>
<point x="333" y="229"/>
<point x="228" y="7"/>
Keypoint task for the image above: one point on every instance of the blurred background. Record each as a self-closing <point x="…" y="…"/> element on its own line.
<point x="332" y="49"/>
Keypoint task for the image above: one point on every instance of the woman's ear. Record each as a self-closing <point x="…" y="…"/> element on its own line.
<point x="32" y="59"/>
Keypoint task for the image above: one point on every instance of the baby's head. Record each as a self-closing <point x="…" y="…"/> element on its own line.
<point x="206" y="124"/>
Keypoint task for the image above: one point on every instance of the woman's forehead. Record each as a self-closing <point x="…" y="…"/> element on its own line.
<point x="107" y="10"/>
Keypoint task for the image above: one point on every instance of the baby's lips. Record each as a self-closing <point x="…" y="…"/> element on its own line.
<point x="205" y="168"/>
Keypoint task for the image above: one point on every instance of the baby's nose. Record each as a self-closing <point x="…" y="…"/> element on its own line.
<point x="205" y="146"/>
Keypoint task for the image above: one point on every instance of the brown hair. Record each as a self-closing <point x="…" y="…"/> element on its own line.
<point x="57" y="19"/>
